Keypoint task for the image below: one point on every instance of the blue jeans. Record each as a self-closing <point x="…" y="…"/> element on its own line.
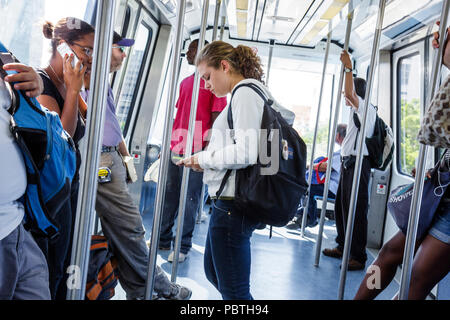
<point x="170" y="209"/>
<point x="227" y="255"/>
<point x="313" y="213"/>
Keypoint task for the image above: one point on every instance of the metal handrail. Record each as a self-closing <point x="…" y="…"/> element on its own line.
<point x="316" y="129"/>
<point x="416" y="199"/>
<point x="331" y="144"/>
<point x="188" y="148"/>
<point x="90" y="147"/>
<point x="165" y="152"/>
<point x="360" y="150"/>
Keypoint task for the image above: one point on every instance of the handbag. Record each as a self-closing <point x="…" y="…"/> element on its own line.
<point x="399" y="202"/>
<point x="435" y="128"/>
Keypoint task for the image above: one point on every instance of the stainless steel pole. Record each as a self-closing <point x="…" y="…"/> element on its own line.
<point x="316" y="128"/>
<point x="359" y="155"/>
<point x="222" y="26"/>
<point x="420" y="170"/>
<point x="165" y="152"/>
<point x="90" y="150"/>
<point x="348" y="31"/>
<point x="216" y="20"/>
<point x="188" y="149"/>
<point x="269" y="64"/>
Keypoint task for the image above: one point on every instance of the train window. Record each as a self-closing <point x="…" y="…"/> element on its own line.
<point x="299" y="92"/>
<point x="21" y="27"/>
<point x="409" y="105"/>
<point x="133" y="76"/>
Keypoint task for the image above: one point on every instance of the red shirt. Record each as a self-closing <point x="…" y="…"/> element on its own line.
<point x="207" y="103"/>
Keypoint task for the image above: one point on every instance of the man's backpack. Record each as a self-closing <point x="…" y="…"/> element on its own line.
<point x="102" y="271"/>
<point x="271" y="199"/>
<point x="49" y="156"/>
<point x="380" y="145"/>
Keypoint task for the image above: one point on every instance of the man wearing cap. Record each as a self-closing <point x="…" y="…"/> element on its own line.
<point x="119" y="216"/>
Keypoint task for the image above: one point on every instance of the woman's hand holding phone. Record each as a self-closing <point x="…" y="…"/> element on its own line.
<point x="73" y="76"/>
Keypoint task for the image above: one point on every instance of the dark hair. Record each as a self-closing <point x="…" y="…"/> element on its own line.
<point x="342" y="130"/>
<point x="68" y="29"/>
<point x="360" y="87"/>
<point x="242" y="59"/>
<point x="192" y="51"/>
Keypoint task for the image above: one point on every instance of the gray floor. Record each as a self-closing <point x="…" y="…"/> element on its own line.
<point x="282" y="267"/>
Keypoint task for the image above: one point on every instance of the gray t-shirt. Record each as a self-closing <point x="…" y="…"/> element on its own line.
<point x="12" y="171"/>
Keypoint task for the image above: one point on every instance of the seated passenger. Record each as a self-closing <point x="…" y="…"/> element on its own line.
<point x="317" y="188"/>
<point x="119" y="215"/>
<point x="431" y="261"/>
<point x="23" y="269"/>
<point x="62" y="85"/>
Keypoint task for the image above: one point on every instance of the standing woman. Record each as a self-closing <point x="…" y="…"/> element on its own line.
<point x="227" y="250"/>
<point x="62" y="85"/>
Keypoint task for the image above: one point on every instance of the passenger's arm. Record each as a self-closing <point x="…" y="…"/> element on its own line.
<point x="123" y="150"/>
<point x="446" y="56"/>
<point x="27" y="79"/>
<point x="349" y="89"/>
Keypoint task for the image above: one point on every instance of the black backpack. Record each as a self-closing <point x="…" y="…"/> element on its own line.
<point x="380" y="145"/>
<point x="271" y="199"/>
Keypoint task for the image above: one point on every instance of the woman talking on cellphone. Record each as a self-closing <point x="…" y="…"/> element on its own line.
<point x="224" y="68"/>
<point x="63" y="81"/>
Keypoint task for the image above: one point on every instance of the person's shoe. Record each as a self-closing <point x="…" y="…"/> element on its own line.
<point x="181" y="257"/>
<point x="334" y="253"/>
<point x="179" y="293"/>
<point x="355" y="265"/>
<point x="295" y="224"/>
<point x="160" y="247"/>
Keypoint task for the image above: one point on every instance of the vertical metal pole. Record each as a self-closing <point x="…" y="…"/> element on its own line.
<point x="269" y="64"/>
<point x="188" y="149"/>
<point x="222" y="28"/>
<point x="165" y="152"/>
<point x="348" y="31"/>
<point x="359" y="155"/>
<point x="316" y="128"/>
<point x="420" y="170"/>
<point x="216" y="20"/>
<point x="90" y="149"/>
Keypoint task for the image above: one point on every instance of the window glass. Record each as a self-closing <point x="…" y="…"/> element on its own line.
<point x="409" y="96"/>
<point x="299" y="92"/>
<point x="21" y="27"/>
<point x="133" y="76"/>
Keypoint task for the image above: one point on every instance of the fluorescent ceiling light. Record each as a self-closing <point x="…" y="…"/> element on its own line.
<point x="322" y="17"/>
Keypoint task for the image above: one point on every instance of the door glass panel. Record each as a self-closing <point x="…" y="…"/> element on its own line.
<point x="409" y="112"/>
<point x="133" y="76"/>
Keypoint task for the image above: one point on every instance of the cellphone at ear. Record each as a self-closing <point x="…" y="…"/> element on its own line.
<point x="64" y="49"/>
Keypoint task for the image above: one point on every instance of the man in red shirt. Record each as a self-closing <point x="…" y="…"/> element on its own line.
<point x="209" y="107"/>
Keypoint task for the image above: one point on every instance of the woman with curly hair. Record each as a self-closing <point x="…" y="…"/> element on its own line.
<point x="227" y="251"/>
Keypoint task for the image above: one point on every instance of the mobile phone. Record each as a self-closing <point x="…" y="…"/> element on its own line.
<point x="64" y="49"/>
<point x="5" y="59"/>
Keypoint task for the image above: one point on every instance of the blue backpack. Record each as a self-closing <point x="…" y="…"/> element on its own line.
<point x="49" y="156"/>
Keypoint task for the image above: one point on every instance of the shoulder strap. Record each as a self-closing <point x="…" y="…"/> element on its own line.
<point x="231" y="126"/>
<point x="255" y="88"/>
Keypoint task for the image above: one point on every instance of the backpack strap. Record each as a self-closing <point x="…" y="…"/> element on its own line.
<point x="358" y="123"/>
<point x="267" y="101"/>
